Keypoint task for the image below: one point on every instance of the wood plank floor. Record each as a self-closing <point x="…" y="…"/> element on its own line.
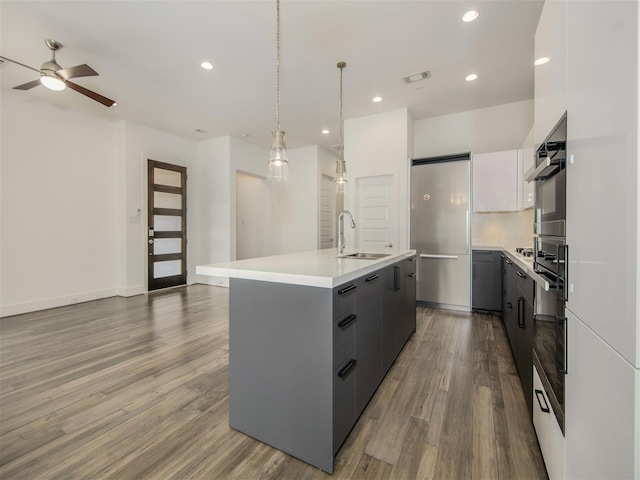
<point x="137" y="389"/>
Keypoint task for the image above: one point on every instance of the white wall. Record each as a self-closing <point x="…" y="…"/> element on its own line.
<point x="296" y="203"/>
<point x="213" y="187"/>
<point x="254" y="218"/>
<point x="379" y="145"/>
<point x="493" y="129"/>
<point x="140" y="144"/>
<point x="58" y="206"/>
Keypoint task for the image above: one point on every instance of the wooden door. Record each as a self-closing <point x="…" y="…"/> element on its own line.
<point x="167" y="225"/>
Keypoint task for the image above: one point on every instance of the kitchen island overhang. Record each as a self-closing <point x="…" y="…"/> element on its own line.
<point x="306" y="344"/>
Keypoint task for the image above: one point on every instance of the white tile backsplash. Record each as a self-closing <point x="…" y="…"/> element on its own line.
<point x="508" y="229"/>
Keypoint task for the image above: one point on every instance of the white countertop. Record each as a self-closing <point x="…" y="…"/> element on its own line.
<point x="317" y="268"/>
<point x="525" y="263"/>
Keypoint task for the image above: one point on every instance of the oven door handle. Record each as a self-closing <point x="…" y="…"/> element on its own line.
<point x="562" y="369"/>
<point x="563" y="295"/>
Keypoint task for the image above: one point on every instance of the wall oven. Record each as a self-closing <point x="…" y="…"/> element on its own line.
<point x="551" y="182"/>
<point x="551" y="262"/>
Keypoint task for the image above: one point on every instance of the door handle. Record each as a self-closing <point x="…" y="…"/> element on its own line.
<point x="539" y="394"/>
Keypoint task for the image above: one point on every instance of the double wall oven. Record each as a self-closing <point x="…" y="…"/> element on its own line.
<point x="551" y="262"/>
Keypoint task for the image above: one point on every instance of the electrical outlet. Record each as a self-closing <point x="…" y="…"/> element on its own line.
<point x="73" y="299"/>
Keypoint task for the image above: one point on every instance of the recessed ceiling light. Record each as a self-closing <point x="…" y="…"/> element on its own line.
<point x="207" y="65"/>
<point x="325" y="131"/>
<point x="376" y="99"/>
<point x="471" y="77"/>
<point x="541" y="61"/>
<point x="245" y="135"/>
<point x="470" y="16"/>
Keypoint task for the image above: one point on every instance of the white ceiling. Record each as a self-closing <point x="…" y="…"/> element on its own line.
<point x="148" y="55"/>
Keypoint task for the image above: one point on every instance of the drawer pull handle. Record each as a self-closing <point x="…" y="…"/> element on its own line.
<point x="346" y="289"/>
<point x="411" y="274"/>
<point x="509" y="306"/>
<point x="520" y="274"/>
<point x="347" y="321"/>
<point x="508" y="262"/>
<point x="372" y="278"/>
<point x="521" y="312"/>
<point x="540" y="393"/>
<point x="347" y="368"/>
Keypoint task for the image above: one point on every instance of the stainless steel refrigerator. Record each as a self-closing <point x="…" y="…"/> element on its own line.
<point x="440" y="229"/>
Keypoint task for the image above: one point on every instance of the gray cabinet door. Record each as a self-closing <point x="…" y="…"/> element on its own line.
<point x="406" y="324"/>
<point x="368" y="349"/>
<point x="482" y="280"/>
<point x="344" y="411"/>
<point x="389" y="352"/>
<point x="510" y="305"/>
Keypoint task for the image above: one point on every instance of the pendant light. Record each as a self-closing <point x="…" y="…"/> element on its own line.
<point x="341" y="166"/>
<point x="278" y="164"/>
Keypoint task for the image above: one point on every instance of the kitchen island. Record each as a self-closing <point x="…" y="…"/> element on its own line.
<point x="311" y="336"/>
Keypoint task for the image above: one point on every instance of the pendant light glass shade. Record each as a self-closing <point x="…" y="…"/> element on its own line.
<point x="341" y="178"/>
<point x="278" y="161"/>
<point x="278" y="170"/>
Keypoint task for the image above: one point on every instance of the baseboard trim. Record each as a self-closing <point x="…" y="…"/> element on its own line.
<point x="27" y="307"/>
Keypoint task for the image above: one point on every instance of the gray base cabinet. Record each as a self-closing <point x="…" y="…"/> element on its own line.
<point x="486" y="280"/>
<point x="517" y="314"/>
<point x="305" y="361"/>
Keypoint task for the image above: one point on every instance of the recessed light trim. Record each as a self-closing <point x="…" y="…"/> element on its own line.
<point x="376" y="99"/>
<point x="541" y="61"/>
<point x="325" y="131"/>
<point x="471" y="77"/>
<point x="470" y="16"/>
<point x="207" y="65"/>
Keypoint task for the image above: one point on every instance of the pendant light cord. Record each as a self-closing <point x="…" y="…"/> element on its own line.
<point x="341" y="121"/>
<point x="278" y="62"/>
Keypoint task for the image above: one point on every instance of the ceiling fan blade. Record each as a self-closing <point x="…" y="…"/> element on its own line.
<point x="28" y="85"/>
<point x="92" y="95"/>
<point x="21" y="64"/>
<point x="83" y="70"/>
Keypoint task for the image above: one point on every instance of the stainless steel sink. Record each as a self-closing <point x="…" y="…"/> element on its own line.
<point x="367" y="256"/>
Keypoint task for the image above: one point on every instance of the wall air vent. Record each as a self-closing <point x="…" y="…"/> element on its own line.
<point x="416" y="77"/>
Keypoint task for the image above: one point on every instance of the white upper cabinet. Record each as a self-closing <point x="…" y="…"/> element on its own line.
<point x="495" y="181"/>
<point x="550" y="78"/>
<point x="526" y="161"/>
<point x="602" y="171"/>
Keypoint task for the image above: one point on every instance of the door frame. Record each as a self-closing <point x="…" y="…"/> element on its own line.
<point x="173" y="280"/>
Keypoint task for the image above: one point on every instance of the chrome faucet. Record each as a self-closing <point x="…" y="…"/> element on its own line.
<point x="341" y="243"/>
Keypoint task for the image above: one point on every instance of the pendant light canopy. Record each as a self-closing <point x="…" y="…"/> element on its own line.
<point x="278" y="163"/>
<point x="341" y="166"/>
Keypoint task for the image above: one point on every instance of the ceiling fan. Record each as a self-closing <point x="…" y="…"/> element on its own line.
<point x="54" y="77"/>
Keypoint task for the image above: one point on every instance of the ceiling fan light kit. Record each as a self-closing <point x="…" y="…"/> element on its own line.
<point x="54" y="77"/>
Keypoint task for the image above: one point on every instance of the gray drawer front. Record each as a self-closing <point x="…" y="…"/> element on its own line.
<point x="526" y="285"/>
<point x="482" y="255"/>
<point x="344" y="337"/>
<point x="344" y="298"/>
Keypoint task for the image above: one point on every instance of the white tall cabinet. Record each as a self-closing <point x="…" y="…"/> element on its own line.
<point x="602" y="404"/>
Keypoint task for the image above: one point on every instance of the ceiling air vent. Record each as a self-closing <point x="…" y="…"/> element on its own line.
<point x="416" y="77"/>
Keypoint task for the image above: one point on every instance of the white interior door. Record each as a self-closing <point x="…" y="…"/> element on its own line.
<point x="327" y="227"/>
<point x="376" y="212"/>
<point x="254" y="231"/>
